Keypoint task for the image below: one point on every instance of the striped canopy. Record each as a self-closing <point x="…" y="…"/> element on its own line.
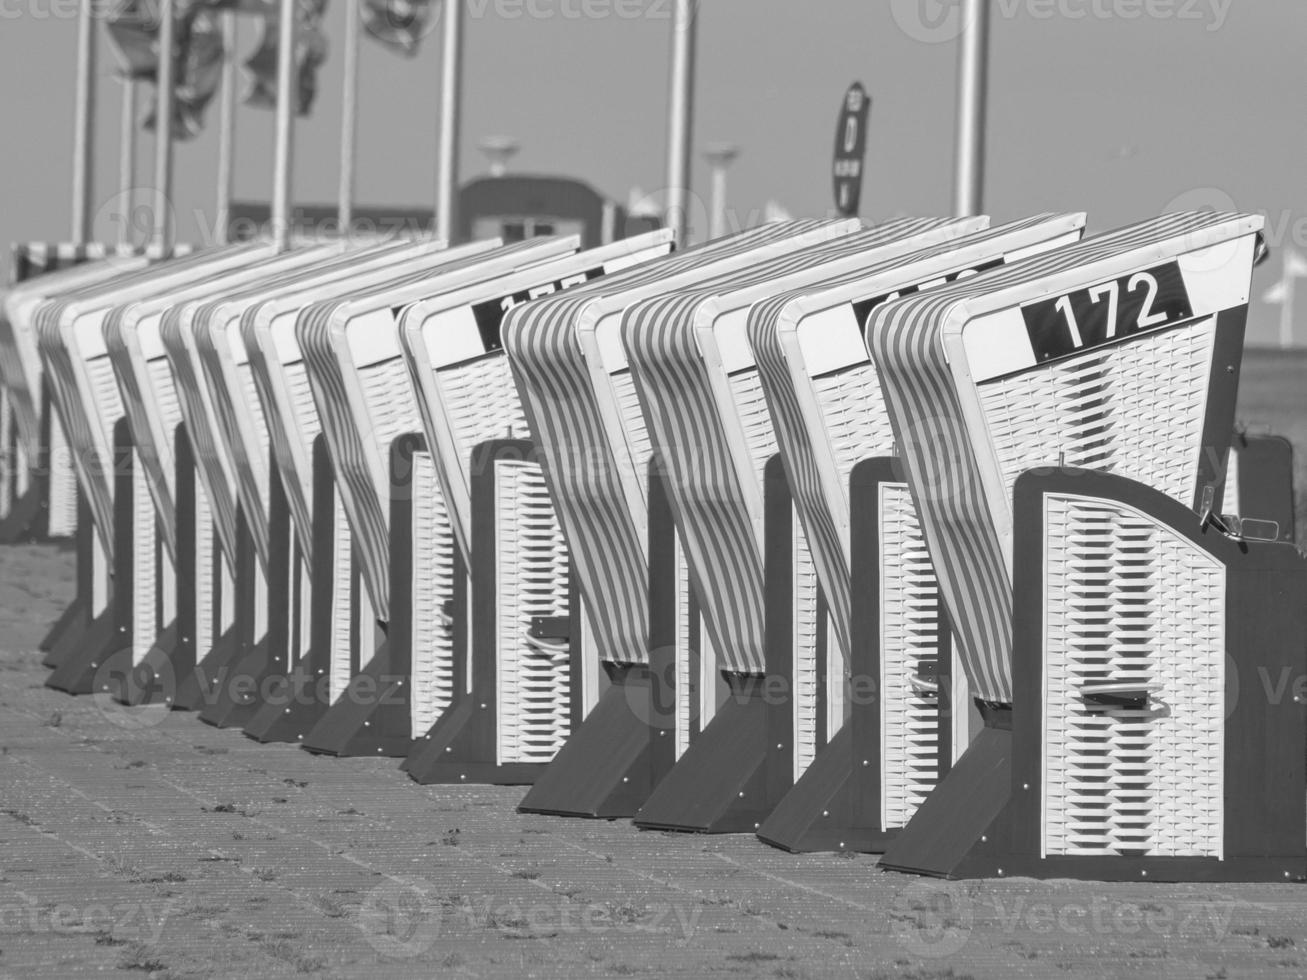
<point x="83" y="386"/>
<point x="565" y="374"/>
<point x="363" y="392"/>
<point x="280" y="377"/>
<point x="455" y="353"/>
<point x="823" y="394"/>
<point x="712" y="430"/>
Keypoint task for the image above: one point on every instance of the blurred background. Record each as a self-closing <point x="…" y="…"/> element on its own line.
<point x="1123" y="108"/>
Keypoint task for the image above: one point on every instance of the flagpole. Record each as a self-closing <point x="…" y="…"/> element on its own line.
<point x="84" y="124"/>
<point x="127" y="162"/>
<point x="283" y="144"/>
<point x="226" y="128"/>
<point x="451" y="100"/>
<point x="163" y="129"/>
<point x="680" y="116"/>
<point x="1286" y="308"/>
<point x="349" y="117"/>
<point x="973" y="70"/>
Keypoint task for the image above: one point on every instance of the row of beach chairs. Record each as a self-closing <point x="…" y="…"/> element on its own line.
<point x="935" y="539"/>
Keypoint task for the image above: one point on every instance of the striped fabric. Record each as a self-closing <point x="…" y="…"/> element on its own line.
<point x="150" y="401"/>
<point x="280" y="379"/>
<point x="149" y="395"/>
<point x="41" y="273"/>
<point x="84" y="389"/>
<point x="455" y="357"/>
<point x="824" y="396"/>
<point x="573" y="411"/>
<point x="20" y="361"/>
<point x="239" y="427"/>
<point x="362" y="390"/>
<point x="935" y="388"/>
<point x="714" y="443"/>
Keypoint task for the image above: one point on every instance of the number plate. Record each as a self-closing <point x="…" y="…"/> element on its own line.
<point x="490" y="314"/>
<point x="1107" y="312"/>
<point x="862" y="310"/>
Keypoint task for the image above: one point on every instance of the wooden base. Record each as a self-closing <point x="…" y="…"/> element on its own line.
<point x="460" y="749"/>
<point x="370" y="718"/>
<point x="825" y="810"/>
<point x="293" y="706"/>
<point x="614" y="760"/>
<point x="719" y="786"/>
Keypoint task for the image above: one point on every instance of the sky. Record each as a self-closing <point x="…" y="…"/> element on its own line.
<point x="1121" y="108"/>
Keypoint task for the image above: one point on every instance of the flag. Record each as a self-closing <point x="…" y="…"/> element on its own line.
<point x="398" y="24"/>
<point x="310" y="52"/>
<point x="197" y="53"/>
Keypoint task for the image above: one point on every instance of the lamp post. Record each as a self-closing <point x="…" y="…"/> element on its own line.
<point x="499" y="150"/>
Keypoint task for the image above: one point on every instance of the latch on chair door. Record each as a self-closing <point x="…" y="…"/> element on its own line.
<point x="1118" y="694"/>
<point x="550" y="631"/>
<point x="925" y="680"/>
<point x="1232" y="525"/>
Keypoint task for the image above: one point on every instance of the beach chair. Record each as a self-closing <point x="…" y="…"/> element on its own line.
<point x="38" y="488"/>
<point x="265" y="618"/>
<point x="534" y="686"/>
<point x="827" y="410"/>
<point x="85" y="395"/>
<point x="39" y="493"/>
<point x="568" y="363"/>
<point x="366" y="401"/>
<point x="1064" y="426"/>
<point x="323" y="573"/>
<point x="194" y="620"/>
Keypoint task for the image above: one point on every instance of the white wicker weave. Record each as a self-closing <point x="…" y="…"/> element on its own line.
<point x="1129" y="602"/>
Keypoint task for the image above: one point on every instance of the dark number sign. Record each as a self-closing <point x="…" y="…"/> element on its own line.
<point x="850" y="149"/>
<point x="862" y="310"/>
<point x="1105" y="313"/>
<point x="490" y="314"/>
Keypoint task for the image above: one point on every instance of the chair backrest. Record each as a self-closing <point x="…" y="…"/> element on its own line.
<point x="1120" y="353"/>
<point x="20" y="360"/>
<point x="84" y="390"/>
<point x="241" y="429"/>
<point x="467" y="397"/>
<point x="822" y="391"/>
<point x="570" y="369"/>
<point x="709" y="424"/>
<point x="280" y="377"/>
<point x="133" y="339"/>
<point x="362" y="388"/>
<point x="455" y="354"/>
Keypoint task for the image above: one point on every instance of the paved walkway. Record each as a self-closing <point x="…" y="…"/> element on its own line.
<point x="179" y="850"/>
